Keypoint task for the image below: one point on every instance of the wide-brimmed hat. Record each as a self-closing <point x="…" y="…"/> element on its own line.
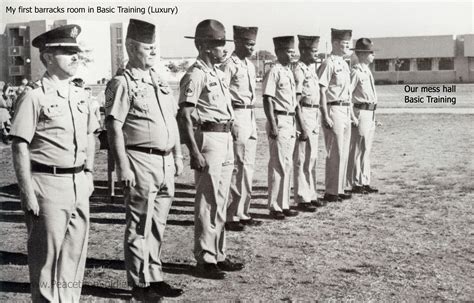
<point x="59" y="37"/>
<point x="211" y="30"/>
<point x="364" y="45"/>
<point x="308" y="41"/>
<point x="141" y="31"/>
<point x="245" y="33"/>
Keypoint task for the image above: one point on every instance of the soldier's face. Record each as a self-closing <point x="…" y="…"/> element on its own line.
<point x="244" y="47"/>
<point x="217" y="51"/>
<point x="285" y="55"/>
<point x="309" y="54"/>
<point x="144" y="55"/>
<point x="341" y="47"/>
<point x="63" y="62"/>
<point x="365" y="57"/>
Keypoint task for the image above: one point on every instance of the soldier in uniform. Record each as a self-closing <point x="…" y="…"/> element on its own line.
<point x="364" y="99"/>
<point x="240" y="76"/>
<point x="280" y="105"/>
<point x="306" y="152"/>
<point x="53" y="154"/>
<point x="144" y="140"/>
<point x="204" y="95"/>
<point x="336" y="109"/>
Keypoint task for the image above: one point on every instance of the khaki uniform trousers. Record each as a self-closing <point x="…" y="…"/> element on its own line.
<point x="358" y="169"/>
<point x="280" y="164"/>
<point x="212" y="192"/>
<point x="305" y="157"/>
<point x="337" y="140"/>
<point x="57" y="238"/>
<point x="245" y="148"/>
<point x="147" y="207"/>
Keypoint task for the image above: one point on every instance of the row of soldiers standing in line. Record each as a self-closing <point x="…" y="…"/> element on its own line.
<point x="53" y="147"/>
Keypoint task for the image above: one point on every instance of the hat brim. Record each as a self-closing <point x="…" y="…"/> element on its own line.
<point x="208" y="39"/>
<point x="64" y="46"/>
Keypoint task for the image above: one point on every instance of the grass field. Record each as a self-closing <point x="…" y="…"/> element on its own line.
<point x="411" y="242"/>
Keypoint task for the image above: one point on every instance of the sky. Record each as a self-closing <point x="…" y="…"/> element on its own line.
<point x="365" y="18"/>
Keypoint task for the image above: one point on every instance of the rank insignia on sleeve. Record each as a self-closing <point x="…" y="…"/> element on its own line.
<point x="189" y="91"/>
<point x="109" y="97"/>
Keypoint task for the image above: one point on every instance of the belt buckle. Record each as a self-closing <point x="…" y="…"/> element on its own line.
<point x="150" y="151"/>
<point x="54" y="170"/>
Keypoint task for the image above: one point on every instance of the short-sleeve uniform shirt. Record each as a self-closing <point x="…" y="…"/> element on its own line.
<point x="334" y="74"/>
<point x="144" y="103"/>
<point x="241" y="79"/>
<point x="307" y="83"/>
<point x="55" y="122"/>
<point x="279" y="83"/>
<point x="362" y="84"/>
<point x="206" y="89"/>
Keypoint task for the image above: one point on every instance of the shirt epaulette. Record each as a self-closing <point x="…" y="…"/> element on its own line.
<point x="34" y="85"/>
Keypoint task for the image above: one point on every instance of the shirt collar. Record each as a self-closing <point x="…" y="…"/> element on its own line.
<point x="50" y="86"/>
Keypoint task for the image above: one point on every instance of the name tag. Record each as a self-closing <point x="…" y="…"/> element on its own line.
<point x="212" y="84"/>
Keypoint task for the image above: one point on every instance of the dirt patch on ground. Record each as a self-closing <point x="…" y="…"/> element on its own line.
<point x="413" y="241"/>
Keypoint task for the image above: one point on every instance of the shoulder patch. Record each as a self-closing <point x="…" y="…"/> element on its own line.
<point x="109" y="97"/>
<point x="189" y="90"/>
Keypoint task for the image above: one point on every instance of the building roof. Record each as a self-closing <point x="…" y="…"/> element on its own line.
<point x="414" y="47"/>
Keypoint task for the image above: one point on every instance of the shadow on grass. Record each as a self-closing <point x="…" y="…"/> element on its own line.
<point x="87" y="290"/>
<point x="122" y="221"/>
<point x="11" y="191"/>
<point x="15" y="258"/>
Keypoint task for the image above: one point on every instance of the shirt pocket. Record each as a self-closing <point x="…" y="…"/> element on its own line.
<point x="339" y="77"/>
<point x="53" y="118"/>
<point x="214" y="95"/>
<point x="140" y="107"/>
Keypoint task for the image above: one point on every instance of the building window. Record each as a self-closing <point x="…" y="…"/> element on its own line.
<point x="382" y="65"/>
<point x="423" y="63"/>
<point x="446" y="64"/>
<point x="402" y="64"/>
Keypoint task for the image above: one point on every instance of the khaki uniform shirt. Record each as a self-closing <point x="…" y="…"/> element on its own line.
<point x="362" y="85"/>
<point x="144" y="103"/>
<point x="206" y="89"/>
<point x="55" y="122"/>
<point x="307" y="83"/>
<point x="241" y="79"/>
<point x="335" y="75"/>
<point x="279" y="84"/>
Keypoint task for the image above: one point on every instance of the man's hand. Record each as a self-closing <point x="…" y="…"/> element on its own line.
<point x="273" y="133"/>
<point x="328" y="123"/>
<point x="31" y="204"/>
<point x="127" y="177"/>
<point x="90" y="178"/>
<point x="198" y="162"/>
<point x="178" y="164"/>
<point x="355" y="122"/>
<point x="303" y="135"/>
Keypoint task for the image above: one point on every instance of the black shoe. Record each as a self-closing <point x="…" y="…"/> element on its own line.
<point x="277" y="215"/>
<point x="306" y="207"/>
<point x="290" y="213"/>
<point x="331" y="198"/>
<point x="145" y="294"/>
<point x="251" y="222"/>
<point x="228" y="265"/>
<point x="345" y="196"/>
<point x="359" y="190"/>
<point x="370" y="189"/>
<point x="234" y="226"/>
<point x="209" y="271"/>
<point x="165" y="290"/>
<point x="318" y="203"/>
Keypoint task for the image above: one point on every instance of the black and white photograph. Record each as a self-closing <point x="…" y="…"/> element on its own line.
<point x="236" y="151"/>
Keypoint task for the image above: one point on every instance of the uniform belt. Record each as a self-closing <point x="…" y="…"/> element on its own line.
<point x="284" y="113"/>
<point x="310" y="105"/>
<point x="216" y="127"/>
<point x="43" y="168"/>
<point x="148" y="150"/>
<point x="339" y="103"/>
<point x="243" y="106"/>
<point x="365" y="106"/>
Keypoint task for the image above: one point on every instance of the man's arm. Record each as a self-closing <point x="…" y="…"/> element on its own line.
<point x="117" y="147"/>
<point x="304" y="131"/>
<point x="178" y="154"/>
<point x="269" y="112"/>
<point x="328" y="123"/>
<point x="197" y="159"/>
<point x="21" y="163"/>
